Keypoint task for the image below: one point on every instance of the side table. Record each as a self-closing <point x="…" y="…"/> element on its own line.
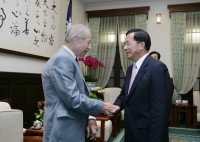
<point x="33" y="135"/>
<point x="189" y="111"/>
<point x="32" y="138"/>
<point x="34" y="132"/>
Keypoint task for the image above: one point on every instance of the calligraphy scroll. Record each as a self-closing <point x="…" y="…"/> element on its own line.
<point x="30" y="26"/>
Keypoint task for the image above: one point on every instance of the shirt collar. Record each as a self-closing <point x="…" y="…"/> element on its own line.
<point x="73" y="55"/>
<point x="140" y="61"/>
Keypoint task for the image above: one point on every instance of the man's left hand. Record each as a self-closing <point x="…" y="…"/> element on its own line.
<point x="92" y="129"/>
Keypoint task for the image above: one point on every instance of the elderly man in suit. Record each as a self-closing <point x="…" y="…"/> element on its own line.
<point x="67" y="103"/>
<point x="146" y="95"/>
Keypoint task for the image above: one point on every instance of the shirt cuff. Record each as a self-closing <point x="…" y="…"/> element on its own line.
<point x="92" y="117"/>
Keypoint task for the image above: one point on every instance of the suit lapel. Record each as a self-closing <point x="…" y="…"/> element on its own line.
<point x="138" y="77"/>
<point x="78" y="69"/>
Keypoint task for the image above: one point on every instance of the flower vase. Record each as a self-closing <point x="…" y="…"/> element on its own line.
<point x="90" y="85"/>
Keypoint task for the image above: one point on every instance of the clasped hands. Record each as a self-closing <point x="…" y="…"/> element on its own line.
<point x="110" y="109"/>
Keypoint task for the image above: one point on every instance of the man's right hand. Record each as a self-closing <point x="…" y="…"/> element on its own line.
<point x="109" y="109"/>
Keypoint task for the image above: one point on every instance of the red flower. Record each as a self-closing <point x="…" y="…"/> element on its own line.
<point x="92" y="65"/>
<point x="41" y="104"/>
<point x="91" y="62"/>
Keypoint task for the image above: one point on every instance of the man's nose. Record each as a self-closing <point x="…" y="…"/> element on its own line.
<point x="125" y="47"/>
<point x="90" y="46"/>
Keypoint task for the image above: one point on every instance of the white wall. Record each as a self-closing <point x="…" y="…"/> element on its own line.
<point x="160" y="33"/>
<point x="78" y="13"/>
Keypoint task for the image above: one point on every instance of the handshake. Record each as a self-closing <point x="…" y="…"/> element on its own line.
<point x="110" y="109"/>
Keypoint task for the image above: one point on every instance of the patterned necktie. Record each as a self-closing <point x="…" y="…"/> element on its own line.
<point x="134" y="72"/>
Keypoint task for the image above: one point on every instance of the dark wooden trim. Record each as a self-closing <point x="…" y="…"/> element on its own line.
<point x="184" y="7"/>
<point x="14" y="75"/>
<point x="23" y="54"/>
<point x="118" y="12"/>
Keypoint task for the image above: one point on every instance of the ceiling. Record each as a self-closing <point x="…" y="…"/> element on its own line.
<point x="96" y="2"/>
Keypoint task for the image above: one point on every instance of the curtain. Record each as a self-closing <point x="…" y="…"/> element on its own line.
<point x="177" y="38"/>
<point x="94" y="24"/>
<point x="126" y="23"/>
<point x="107" y="48"/>
<point x="185" y="30"/>
<point x="192" y="51"/>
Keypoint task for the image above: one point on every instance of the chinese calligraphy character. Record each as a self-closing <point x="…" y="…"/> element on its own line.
<point x="36" y="31"/>
<point x="37" y="3"/>
<point x="36" y="41"/>
<point x="16" y="13"/>
<point x="17" y="4"/>
<point x="45" y="3"/>
<point x="53" y="7"/>
<point x="14" y="29"/>
<point x="45" y="22"/>
<point x="2" y="17"/>
<point x="26" y="31"/>
<point x="51" y="40"/>
<point x="37" y="17"/>
<point x="44" y="37"/>
<point x="27" y="12"/>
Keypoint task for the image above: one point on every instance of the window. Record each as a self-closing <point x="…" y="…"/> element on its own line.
<point x="109" y="37"/>
<point x="117" y="76"/>
<point x="193" y="36"/>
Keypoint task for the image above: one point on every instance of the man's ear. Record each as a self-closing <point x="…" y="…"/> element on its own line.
<point x="74" y="39"/>
<point x="142" y="44"/>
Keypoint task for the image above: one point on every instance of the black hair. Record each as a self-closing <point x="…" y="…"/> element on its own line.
<point x="141" y="35"/>
<point x="154" y="52"/>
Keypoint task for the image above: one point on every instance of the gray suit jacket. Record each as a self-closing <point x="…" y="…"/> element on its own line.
<point x="67" y="104"/>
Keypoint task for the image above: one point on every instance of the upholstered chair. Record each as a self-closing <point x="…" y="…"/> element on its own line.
<point x="11" y="124"/>
<point x="110" y="95"/>
<point x="196" y="112"/>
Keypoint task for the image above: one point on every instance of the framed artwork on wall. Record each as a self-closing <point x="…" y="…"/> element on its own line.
<point x="30" y="28"/>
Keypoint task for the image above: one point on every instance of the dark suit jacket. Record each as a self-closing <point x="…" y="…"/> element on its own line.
<point x="147" y="106"/>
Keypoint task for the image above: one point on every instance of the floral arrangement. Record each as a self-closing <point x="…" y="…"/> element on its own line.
<point x="40" y="115"/>
<point x="97" y="93"/>
<point x="92" y="66"/>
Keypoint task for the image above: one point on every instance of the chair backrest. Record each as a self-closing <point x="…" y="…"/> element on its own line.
<point x="4" y="105"/>
<point x="111" y="93"/>
<point x="11" y="124"/>
<point x="196" y="99"/>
